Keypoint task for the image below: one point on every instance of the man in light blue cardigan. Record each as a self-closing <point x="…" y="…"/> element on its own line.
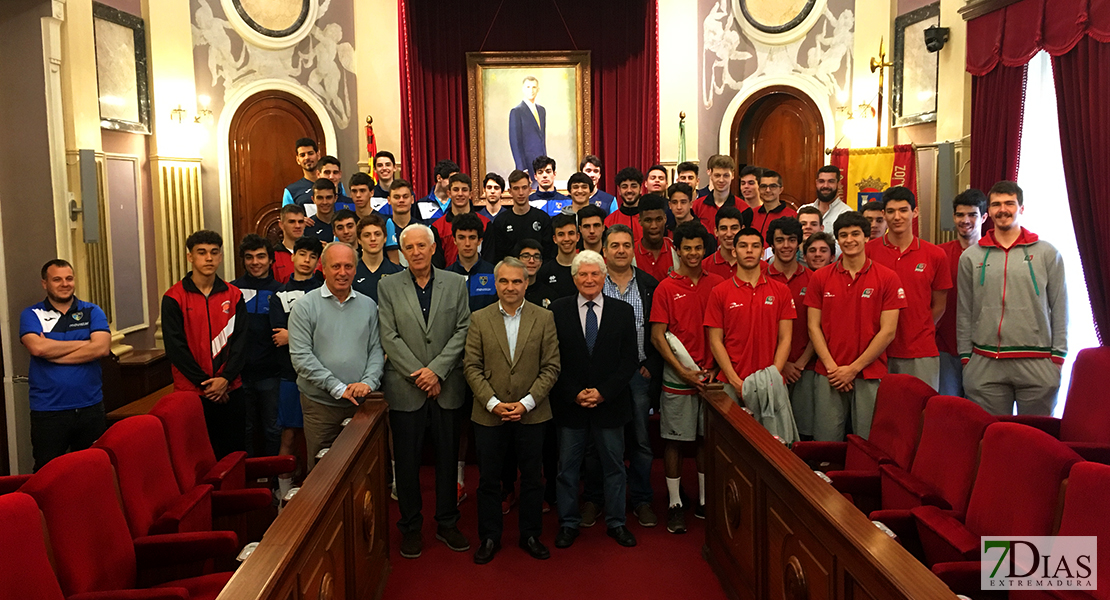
<point x="335" y="349"/>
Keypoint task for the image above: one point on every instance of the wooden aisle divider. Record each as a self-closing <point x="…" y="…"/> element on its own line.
<point x="776" y="530"/>
<point x="331" y="542"/>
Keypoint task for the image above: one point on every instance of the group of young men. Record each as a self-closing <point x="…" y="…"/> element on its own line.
<point x="557" y="324"/>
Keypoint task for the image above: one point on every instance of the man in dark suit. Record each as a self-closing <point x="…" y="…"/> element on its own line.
<point x="591" y="399"/>
<point x="424" y="315"/>
<point x="528" y="127"/>
<point x="512" y="361"/>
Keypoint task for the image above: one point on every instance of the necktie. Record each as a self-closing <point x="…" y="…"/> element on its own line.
<point x="591" y="326"/>
<point x="535" y="115"/>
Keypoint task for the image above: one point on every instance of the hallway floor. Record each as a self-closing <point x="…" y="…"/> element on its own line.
<point x="662" y="565"/>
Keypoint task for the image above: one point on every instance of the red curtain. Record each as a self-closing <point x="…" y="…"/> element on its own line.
<point x="436" y="35"/>
<point x="1082" y="79"/>
<point x="997" y="105"/>
<point x="1014" y="34"/>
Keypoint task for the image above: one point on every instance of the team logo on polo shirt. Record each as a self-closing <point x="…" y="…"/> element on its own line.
<point x="901" y="294"/>
<point x="770" y="300"/>
<point x="77" y="315"/>
<point x="508" y="228"/>
<point x="920" y="268"/>
<point x="803" y="292"/>
<point x="679" y="296"/>
<point x="226" y="306"/>
<point x="536" y="225"/>
<point x="552" y="279"/>
<point x="867" y="292"/>
<point x="483" y="279"/>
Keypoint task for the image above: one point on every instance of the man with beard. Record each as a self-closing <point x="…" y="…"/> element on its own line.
<point x="629" y="182"/>
<point x="66" y="337"/>
<point x="300" y="191"/>
<point x="828" y="186"/>
<point x="968" y="211"/>
<point x="1012" y="273"/>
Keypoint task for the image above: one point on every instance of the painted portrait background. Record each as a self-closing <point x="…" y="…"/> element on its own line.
<point x="501" y="87"/>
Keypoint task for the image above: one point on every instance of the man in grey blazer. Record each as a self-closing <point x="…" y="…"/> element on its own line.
<point x="512" y="361"/>
<point x="424" y="315"/>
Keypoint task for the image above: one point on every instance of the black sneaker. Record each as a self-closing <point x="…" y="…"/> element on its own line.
<point x="411" y="544"/>
<point x="699" y="511"/>
<point x="676" y="519"/>
<point x="454" y="538"/>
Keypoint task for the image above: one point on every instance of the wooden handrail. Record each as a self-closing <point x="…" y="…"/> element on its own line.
<point x="332" y="539"/>
<point x="776" y="530"/>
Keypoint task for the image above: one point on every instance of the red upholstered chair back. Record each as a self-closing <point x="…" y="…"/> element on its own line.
<point x="25" y="571"/>
<point x="1087" y="413"/>
<point x="137" y="448"/>
<point x="182" y="416"/>
<point x="947" y="456"/>
<point x="1085" y="513"/>
<point x="1017" y="489"/>
<point x="896" y="425"/>
<point x="88" y="534"/>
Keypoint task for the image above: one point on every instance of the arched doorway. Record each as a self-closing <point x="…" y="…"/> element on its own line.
<point x="781" y="128"/>
<point x="260" y="141"/>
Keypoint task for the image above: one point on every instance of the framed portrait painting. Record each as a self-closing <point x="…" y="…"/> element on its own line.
<point x="915" y="68"/>
<point x="528" y="104"/>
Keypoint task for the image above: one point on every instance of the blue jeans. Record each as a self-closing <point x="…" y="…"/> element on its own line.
<point x="951" y="375"/>
<point x="639" y="447"/>
<point x="572" y="451"/>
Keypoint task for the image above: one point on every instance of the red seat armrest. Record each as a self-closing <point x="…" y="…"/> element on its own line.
<point x="154" y="551"/>
<point x="901" y="522"/>
<point x="862" y="454"/>
<point x="1049" y="425"/>
<point x="818" y="452"/>
<point x="229" y="473"/>
<point x="902" y="490"/>
<point x="12" y="483"/>
<point x="269" y="466"/>
<point x="169" y="593"/>
<point x="856" y="483"/>
<point x="192" y="511"/>
<point x="1091" y="451"/>
<point x="236" y="502"/>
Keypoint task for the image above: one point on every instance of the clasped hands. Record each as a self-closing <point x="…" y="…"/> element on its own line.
<point x="426" y="380"/>
<point x="509" y="411"/>
<point x="589" y="398"/>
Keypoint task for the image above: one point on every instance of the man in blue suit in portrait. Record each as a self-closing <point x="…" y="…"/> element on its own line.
<point x="528" y="127"/>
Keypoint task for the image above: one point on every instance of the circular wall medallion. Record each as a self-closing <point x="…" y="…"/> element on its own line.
<point x="271" y="24"/>
<point x="777" y="22"/>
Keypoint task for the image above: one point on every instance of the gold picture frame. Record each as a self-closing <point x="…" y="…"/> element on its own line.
<point x="503" y="126"/>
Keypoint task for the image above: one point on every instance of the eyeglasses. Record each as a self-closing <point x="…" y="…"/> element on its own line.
<point x="531" y="257"/>
<point x="769" y="186"/>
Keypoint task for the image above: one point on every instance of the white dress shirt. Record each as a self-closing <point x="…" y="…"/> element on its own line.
<point x="512" y="330"/>
<point x="599" y="301"/>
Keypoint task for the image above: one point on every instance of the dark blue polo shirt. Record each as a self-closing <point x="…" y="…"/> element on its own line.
<point x="366" y="281"/>
<point x="56" y="386"/>
<point x="479" y="283"/>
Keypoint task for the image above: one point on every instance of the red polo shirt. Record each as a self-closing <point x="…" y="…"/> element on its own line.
<point x="716" y="264"/>
<point x="797" y="284"/>
<point x="922" y="269"/>
<point x="621" y="217"/>
<point x="762" y="218"/>
<point x="656" y="267"/>
<point x="851" y="310"/>
<point x="705" y="209"/>
<point x="750" y="319"/>
<point x="680" y="305"/>
<point x="946" y="328"/>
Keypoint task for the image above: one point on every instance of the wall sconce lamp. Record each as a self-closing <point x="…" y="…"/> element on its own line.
<point x="204" y="114"/>
<point x="178" y="114"/>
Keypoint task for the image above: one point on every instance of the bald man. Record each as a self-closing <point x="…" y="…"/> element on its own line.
<point x="335" y="350"/>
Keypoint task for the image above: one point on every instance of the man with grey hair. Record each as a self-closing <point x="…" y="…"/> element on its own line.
<point x="424" y="320"/>
<point x="591" y="399"/>
<point x="335" y="350"/>
<point x="512" y="361"/>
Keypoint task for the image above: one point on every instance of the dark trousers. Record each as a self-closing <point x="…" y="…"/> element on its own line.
<point x="261" y="398"/>
<point x="550" y="465"/>
<point x="492" y="444"/>
<point x="55" y="432"/>
<point x="408" y="444"/>
<point x="227" y="423"/>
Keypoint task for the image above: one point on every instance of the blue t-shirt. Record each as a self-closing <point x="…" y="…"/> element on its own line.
<point x="366" y="282"/>
<point x="479" y="283"/>
<point x="56" y="386"/>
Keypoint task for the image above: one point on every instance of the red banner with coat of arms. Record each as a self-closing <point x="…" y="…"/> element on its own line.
<point x="867" y="172"/>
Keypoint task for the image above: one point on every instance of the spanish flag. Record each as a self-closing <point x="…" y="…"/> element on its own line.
<point x="867" y="172"/>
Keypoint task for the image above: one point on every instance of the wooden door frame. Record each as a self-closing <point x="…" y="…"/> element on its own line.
<point x="223" y="149"/>
<point x="741" y="115"/>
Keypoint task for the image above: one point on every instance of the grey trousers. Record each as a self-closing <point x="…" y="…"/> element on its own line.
<point x="832" y="408"/>
<point x="997" y="384"/>
<point x="322" y="424"/>
<point x="801" y="399"/>
<point x="926" y="369"/>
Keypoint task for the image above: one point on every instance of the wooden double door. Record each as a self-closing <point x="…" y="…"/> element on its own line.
<point x="261" y="139"/>
<point x="780" y="128"/>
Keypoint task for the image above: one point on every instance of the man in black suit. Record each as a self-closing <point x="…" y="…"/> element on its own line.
<point x="591" y="399"/>
<point x="528" y="127"/>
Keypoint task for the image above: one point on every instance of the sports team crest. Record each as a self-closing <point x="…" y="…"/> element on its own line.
<point x="870" y="190"/>
<point x="867" y="292"/>
<point x="482" y="279"/>
<point x="77" y="315"/>
<point x="920" y="268"/>
<point x="770" y="300"/>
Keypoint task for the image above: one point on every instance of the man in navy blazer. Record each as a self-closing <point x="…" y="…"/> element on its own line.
<point x="591" y="399"/>
<point x="528" y="127"/>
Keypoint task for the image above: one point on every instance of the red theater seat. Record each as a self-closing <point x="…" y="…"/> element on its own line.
<point x="1016" y="492"/>
<point x="25" y="570"/>
<point x="895" y="427"/>
<point x="1085" y="425"/>
<point x="194" y="462"/>
<point x="151" y="499"/>
<point x="92" y="546"/>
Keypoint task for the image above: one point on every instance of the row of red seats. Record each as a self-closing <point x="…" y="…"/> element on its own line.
<point x="130" y="517"/>
<point x="940" y="472"/>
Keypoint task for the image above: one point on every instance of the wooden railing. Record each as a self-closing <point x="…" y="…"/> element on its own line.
<point x="776" y="530"/>
<point x="331" y="541"/>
